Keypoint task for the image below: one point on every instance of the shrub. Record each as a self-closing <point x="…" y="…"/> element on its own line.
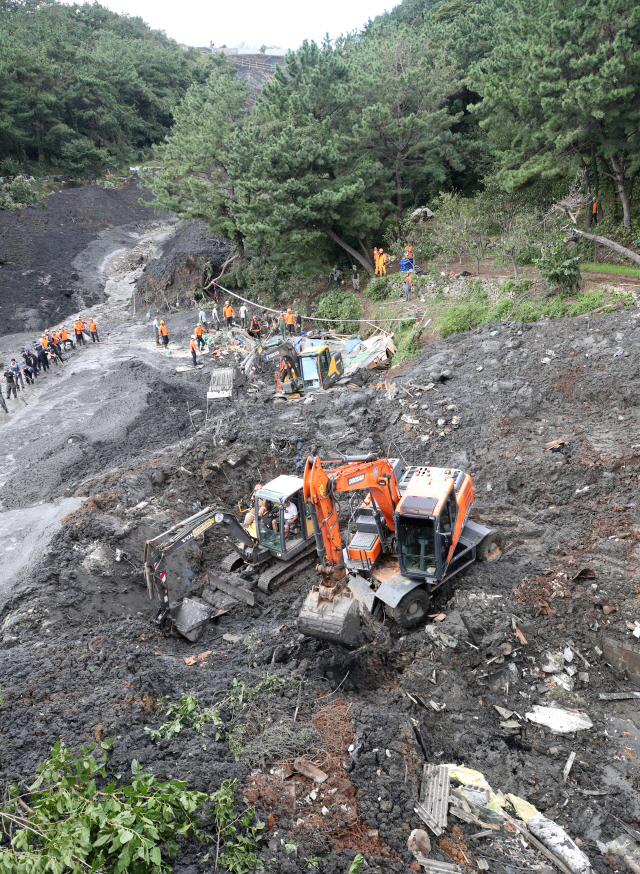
<point x="17" y="194"/>
<point x="559" y="267"/>
<point x="335" y="305"/>
<point x="382" y="288"/>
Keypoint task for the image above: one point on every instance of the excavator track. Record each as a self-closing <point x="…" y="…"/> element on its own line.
<point x="231" y="563"/>
<point x="281" y="572"/>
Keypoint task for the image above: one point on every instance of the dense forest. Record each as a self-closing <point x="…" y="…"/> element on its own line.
<point x="82" y="89"/>
<point x="501" y="104"/>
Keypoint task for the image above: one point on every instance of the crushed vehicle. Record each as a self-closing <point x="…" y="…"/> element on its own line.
<point x="410" y="535"/>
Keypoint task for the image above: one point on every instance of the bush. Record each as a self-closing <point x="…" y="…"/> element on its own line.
<point x="17" y="194"/>
<point x="336" y="305"/>
<point x="382" y="288"/>
<point x="559" y="267"/>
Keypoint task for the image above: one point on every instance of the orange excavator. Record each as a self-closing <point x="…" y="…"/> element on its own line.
<point x="412" y="534"/>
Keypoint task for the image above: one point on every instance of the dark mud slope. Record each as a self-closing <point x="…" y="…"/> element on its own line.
<point x="38" y="246"/>
<point x="190" y="258"/>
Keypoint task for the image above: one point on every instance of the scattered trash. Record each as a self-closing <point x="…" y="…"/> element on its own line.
<point x="523" y="809"/>
<point x="197" y="659"/>
<point x="419" y="843"/>
<point x="434" y="794"/>
<point x="554" y="444"/>
<point x="568" y="766"/>
<point x="627" y="850"/>
<point x="617" y="696"/>
<point x="433" y="867"/>
<point x="555" y="838"/>
<point x="232" y="638"/>
<point x="558" y="720"/>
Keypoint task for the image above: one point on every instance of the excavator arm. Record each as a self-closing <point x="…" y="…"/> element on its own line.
<point x="376" y="475"/>
<point x="157" y="550"/>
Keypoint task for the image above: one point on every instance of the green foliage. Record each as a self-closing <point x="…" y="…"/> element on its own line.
<point x="406" y="345"/>
<point x="17" y="194"/>
<point x="74" y="827"/>
<point x="560" y="267"/>
<point x="609" y="268"/>
<point x="312" y="863"/>
<point x="237" y="834"/>
<point x="82" y="88"/>
<point x="269" y="684"/>
<point x="560" y="87"/>
<point x="185" y="712"/>
<point x="383" y="288"/>
<point x="470" y="313"/>
<point x="356" y="865"/>
<point x="189" y="175"/>
<point x="337" y="305"/>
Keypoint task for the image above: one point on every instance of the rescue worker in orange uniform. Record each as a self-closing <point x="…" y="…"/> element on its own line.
<point x="382" y="263"/>
<point x="375" y="258"/>
<point x="93" y="328"/>
<point x="200" y="330"/>
<point x="78" y="327"/>
<point x="163" y="333"/>
<point x="228" y="313"/>
<point x="44" y="341"/>
<point x="192" y="347"/>
<point x="64" y="337"/>
<point x="255" y="327"/>
<point x="290" y="321"/>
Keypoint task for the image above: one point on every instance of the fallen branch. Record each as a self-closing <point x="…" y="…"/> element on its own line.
<point x="604" y="241"/>
<point x="224" y="268"/>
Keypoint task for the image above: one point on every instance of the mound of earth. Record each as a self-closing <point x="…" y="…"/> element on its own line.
<point x="188" y="260"/>
<point x="38" y="248"/>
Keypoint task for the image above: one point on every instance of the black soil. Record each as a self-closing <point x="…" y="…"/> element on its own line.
<point x="38" y="246"/>
<point x="81" y="659"/>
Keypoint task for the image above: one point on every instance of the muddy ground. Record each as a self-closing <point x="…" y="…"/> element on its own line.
<point x="111" y="448"/>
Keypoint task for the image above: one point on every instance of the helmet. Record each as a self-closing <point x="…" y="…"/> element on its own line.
<point x="227" y="302"/>
<point x="257" y="487"/>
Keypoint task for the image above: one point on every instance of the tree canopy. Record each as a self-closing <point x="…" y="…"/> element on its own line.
<point x="82" y="88"/>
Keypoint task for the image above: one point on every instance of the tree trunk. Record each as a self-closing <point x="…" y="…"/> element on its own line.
<point x="477" y="264"/>
<point x="515" y="266"/>
<point x="604" y="241"/>
<point x="365" y="262"/>
<point x="399" y="199"/>
<point x="623" y="194"/>
<point x="586" y="183"/>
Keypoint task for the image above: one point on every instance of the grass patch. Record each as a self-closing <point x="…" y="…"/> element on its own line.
<point x="470" y="313"/>
<point x="336" y="305"/>
<point x="610" y="268"/>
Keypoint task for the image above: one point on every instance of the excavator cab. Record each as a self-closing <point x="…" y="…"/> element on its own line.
<point x="320" y="369"/>
<point x="283" y="525"/>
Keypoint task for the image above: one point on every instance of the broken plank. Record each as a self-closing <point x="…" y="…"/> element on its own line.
<point x="231" y="589"/>
<point x="432" y="866"/>
<point x="426" y="817"/>
<point x="537" y="844"/>
<point x="485" y="833"/>
<point x="434" y="792"/>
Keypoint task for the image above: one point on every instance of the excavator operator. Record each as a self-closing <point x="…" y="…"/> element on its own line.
<point x="290" y="517"/>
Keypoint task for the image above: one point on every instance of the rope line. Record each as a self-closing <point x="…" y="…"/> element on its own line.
<point x="374" y="322"/>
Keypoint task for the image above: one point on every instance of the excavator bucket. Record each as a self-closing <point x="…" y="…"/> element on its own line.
<point x="336" y="621"/>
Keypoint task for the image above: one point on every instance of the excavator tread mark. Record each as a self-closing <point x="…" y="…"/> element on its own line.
<point x="281" y="572"/>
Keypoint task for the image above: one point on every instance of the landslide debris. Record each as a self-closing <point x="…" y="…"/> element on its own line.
<point x="81" y="658"/>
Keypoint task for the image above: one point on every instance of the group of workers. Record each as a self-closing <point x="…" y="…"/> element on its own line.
<point x="46" y="350"/>
<point x="287" y="323"/>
